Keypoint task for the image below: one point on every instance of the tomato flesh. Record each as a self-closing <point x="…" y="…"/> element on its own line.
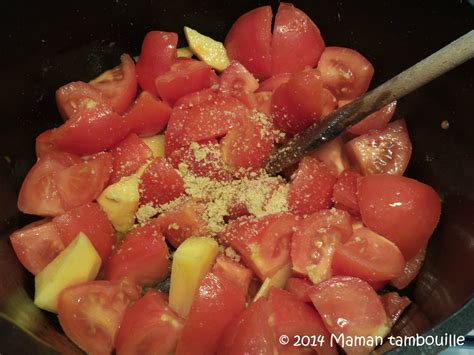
<point x="394" y="305"/>
<point x="411" y="270"/>
<point x="377" y="120"/>
<point x="333" y="155"/>
<point x="299" y="287"/>
<point x="345" y="192"/>
<point x="233" y="271"/>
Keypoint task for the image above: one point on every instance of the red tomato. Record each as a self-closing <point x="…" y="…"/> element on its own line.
<point x="233" y="271"/>
<point x="310" y="187"/>
<point x="292" y="317"/>
<point x="263" y="243"/>
<point x="157" y="54"/>
<point x="333" y="155"/>
<point x="76" y="95"/>
<point x="39" y="193"/>
<point x="160" y="183"/>
<point x="368" y="256"/>
<point x="296" y="41"/>
<point x="238" y="82"/>
<point x="184" y="78"/>
<point x="148" y="115"/>
<point x="149" y="327"/>
<point x="299" y="287"/>
<point x="249" y="41"/>
<point x="128" y="156"/>
<point x="298" y="103"/>
<point x="315" y="240"/>
<point x="378" y="152"/>
<point x="401" y="209"/>
<point x="345" y="192"/>
<point x="182" y="222"/>
<point x="329" y="102"/>
<point x="274" y="82"/>
<point x="350" y="306"/>
<point x="377" y="120"/>
<point x="217" y="302"/>
<point x="411" y="270"/>
<point x="345" y="72"/>
<point x="90" y="313"/>
<point x="82" y="183"/>
<point x="142" y="257"/>
<point x="394" y="305"/>
<point x="43" y="144"/>
<point x="248" y="145"/>
<point x="202" y="159"/>
<point x="90" y="220"/>
<point x="36" y="245"/>
<point x="249" y="333"/>
<point x="119" y="84"/>
<point x="262" y="102"/>
<point x="90" y="130"/>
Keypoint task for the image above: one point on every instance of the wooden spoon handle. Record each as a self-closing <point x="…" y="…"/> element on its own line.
<point x="338" y="121"/>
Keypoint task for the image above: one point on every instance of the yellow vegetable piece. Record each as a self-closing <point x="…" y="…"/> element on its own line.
<point x="211" y="52"/>
<point x="120" y="202"/>
<point x="78" y="263"/>
<point x="191" y="261"/>
<point x="278" y="280"/>
<point x="184" y="52"/>
<point x="156" y="144"/>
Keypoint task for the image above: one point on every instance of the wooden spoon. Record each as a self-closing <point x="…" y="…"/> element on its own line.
<point x="338" y="121"/>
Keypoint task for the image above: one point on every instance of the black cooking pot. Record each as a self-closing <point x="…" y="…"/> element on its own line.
<point x="47" y="45"/>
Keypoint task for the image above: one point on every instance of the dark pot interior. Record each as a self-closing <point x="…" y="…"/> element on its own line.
<point x="46" y="45"/>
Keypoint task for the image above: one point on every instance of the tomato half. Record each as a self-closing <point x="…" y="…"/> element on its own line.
<point x="350" y="306"/>
<point x="299" y="287"/>
<point x="394" y="305"/>
<point x="310" y="187"/>
<point x="157" y="54"/>
<point x="296" y="41"/>
<point x="387" y="151"/>
<point x="90" y="220"/>
<point x="142" y="257"/>
<point x="36" y="245"/>
<point x="368" y="256"/>
<point x="403" y="210"/>
<point x="345" y="192"/>
<point x="119" y="84"/>
<point x="160" y="183"/>
<point x="249" y="41"/>
<point x="128" y="156"/>
<point x="149" y="327"/>
<point x="184" y="78"/>
<point x="148" y="115"/>
<point x="216" y="303"/>
<point x="39" y="193"/>
<point x="345" y="72"/>
<point x="377" y="120"/>
<point x="90" y="313"/>
<point x="411" y="270"/>
<point x="233" y="271"/>
<point x="333" y="155"/>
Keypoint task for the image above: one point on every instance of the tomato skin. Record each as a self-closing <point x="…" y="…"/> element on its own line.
<point x="39" y="193"/>
<point x="142" y="257"/>
<point x="354" y="301"/>
<point x="90" y="313"/>
<point x="249" y="41"/>
<point x="216" y="304"/>
<point x="394" y="305"/>
<point x="368" y="256"/>
<point x="36" y="245"/>
<point x="90" y="131"/>
<point x="157" y="55"/>
<point x="184" y="78"/>
<point x="149" y="327"/>
<point x="296" y="41"/>
<point x="377" y="120"/>
<point x="128" y="156"/>
<point x="72" y="97"/>
<point x="292" y="317"/>
<point x="160" y="183"/>
<point x="402" y="210"/>
<point x="250" y="332"/>
<point x="345" y="192"/>
<point x="387" y="151"/>
<point x="233" y="271"/>
<point x="310" y="187"/>
<point x="119" y="84"/>
<point x="333" y="155"/>
<point x="82" y="183"/>
<point x="345" y="72"/>
<point x="411" y="270"/>
<point x="148" y="115"/>
<point x="90" y="220"/>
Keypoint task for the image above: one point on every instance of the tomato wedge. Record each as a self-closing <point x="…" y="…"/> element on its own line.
<point x="299" y="287"/>
<point x="119" y="84"/>
<point x="345" y="192"/>
<point x="333" y="155"/>
<point x="238" y="82"/>
<point x="394" y="305"/>
<point x="377" y="120"/>
<point x="233" y="271"/>
<point x="411" y="270"/>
